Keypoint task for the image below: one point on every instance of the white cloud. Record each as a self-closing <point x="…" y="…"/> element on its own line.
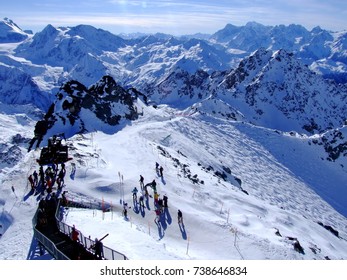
<point x="186" y="17"/>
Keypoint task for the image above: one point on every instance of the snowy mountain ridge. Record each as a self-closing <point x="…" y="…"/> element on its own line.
<point x="167" y="69"/>
<point x="71" y="53"/>
<point x="11" y="32"/>
<point x="263" y="85"/>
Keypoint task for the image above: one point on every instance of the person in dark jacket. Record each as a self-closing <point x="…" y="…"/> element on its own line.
<point x="98" y="249"/>
<point x="142" y="182"/>
<point x="180" y="216"/>
<point x="165" y="198"/>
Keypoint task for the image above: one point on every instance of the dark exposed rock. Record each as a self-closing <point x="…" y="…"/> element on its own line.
<point x="334" y="142"/>
<point x="184" y="168"/>
<point x="329" y="228"/>
<point x="105" y="101"/>
<point x="10" y="155"/>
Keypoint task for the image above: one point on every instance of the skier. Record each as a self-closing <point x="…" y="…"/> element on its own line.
<point x="161" y="171"/>
<point x="154" y="185"/>
<point x="157" y="217"/>
<point x="134" y="191"/>
<point x="156" y="198"/>
<point x="165" y="198"/>
<point x="157" y="167"/>
<point x="31" y="181"/>
<point x="141" y="201"/>
<point x="142" y="182"/>
<point x="160" y="204"/>
<point x="125" y="210"/>
<point x="145" y="190"/>
<point x="36" y="178"/>
<point x="180" y="216"/>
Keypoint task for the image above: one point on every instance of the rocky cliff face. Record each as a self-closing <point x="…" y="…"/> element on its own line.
<point x="77" y="109"/>
<point x="334" y="143"/>
<point x="276" y="86"/>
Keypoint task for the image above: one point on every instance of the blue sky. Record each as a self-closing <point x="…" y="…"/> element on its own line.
<point x="174" y="17"/>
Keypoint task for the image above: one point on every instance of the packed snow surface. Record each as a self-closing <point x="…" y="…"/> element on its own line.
<point x="285" y="189"/>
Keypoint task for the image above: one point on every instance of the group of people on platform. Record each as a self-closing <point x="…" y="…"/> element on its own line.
<point x="45" y="180"/>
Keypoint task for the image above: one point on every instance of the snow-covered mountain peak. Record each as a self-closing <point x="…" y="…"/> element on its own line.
<point x="277" y="84"/>
<point x="101" y="39"/>
<point x="11" y="32"/>
<point x="67" y="47"/>
<point x="252" y="64"/>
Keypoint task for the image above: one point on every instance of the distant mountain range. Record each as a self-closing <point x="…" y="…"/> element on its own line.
<point x="273" y="76"/>
<point x="253" y="118"/>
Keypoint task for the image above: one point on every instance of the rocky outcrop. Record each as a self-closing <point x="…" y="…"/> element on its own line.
<point x="79" y="109"/>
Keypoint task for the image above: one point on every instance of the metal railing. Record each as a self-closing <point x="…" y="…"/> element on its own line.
<point x="87" y="242"/>
<point x="46" y="242"/>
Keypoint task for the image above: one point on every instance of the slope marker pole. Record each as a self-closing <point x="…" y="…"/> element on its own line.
<point x="111" y="211"/>
<point x="188" y="244"/>
<point x="103" y="208"/>
<point x="221" y="208"/>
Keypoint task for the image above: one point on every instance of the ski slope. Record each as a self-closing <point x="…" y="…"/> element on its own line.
<point x="221" y="221"/>
<point x="289" y="191"/>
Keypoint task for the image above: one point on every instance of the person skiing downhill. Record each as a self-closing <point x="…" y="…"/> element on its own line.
<point x="154" y="185"/>
<point x="156" y="198"/>
<point x="157" y="216"/>
<point x="180" y="216"/>
<point x="125" y="210"/>
<point x="165" y="198"/>
<point x="36" y="178"/>
<point x="31" y="181"/>
<point x="141" y="201"/>
<point x="134" y="191"/>
<point x="142" y="182"/>
<point x="161" y="169"/>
